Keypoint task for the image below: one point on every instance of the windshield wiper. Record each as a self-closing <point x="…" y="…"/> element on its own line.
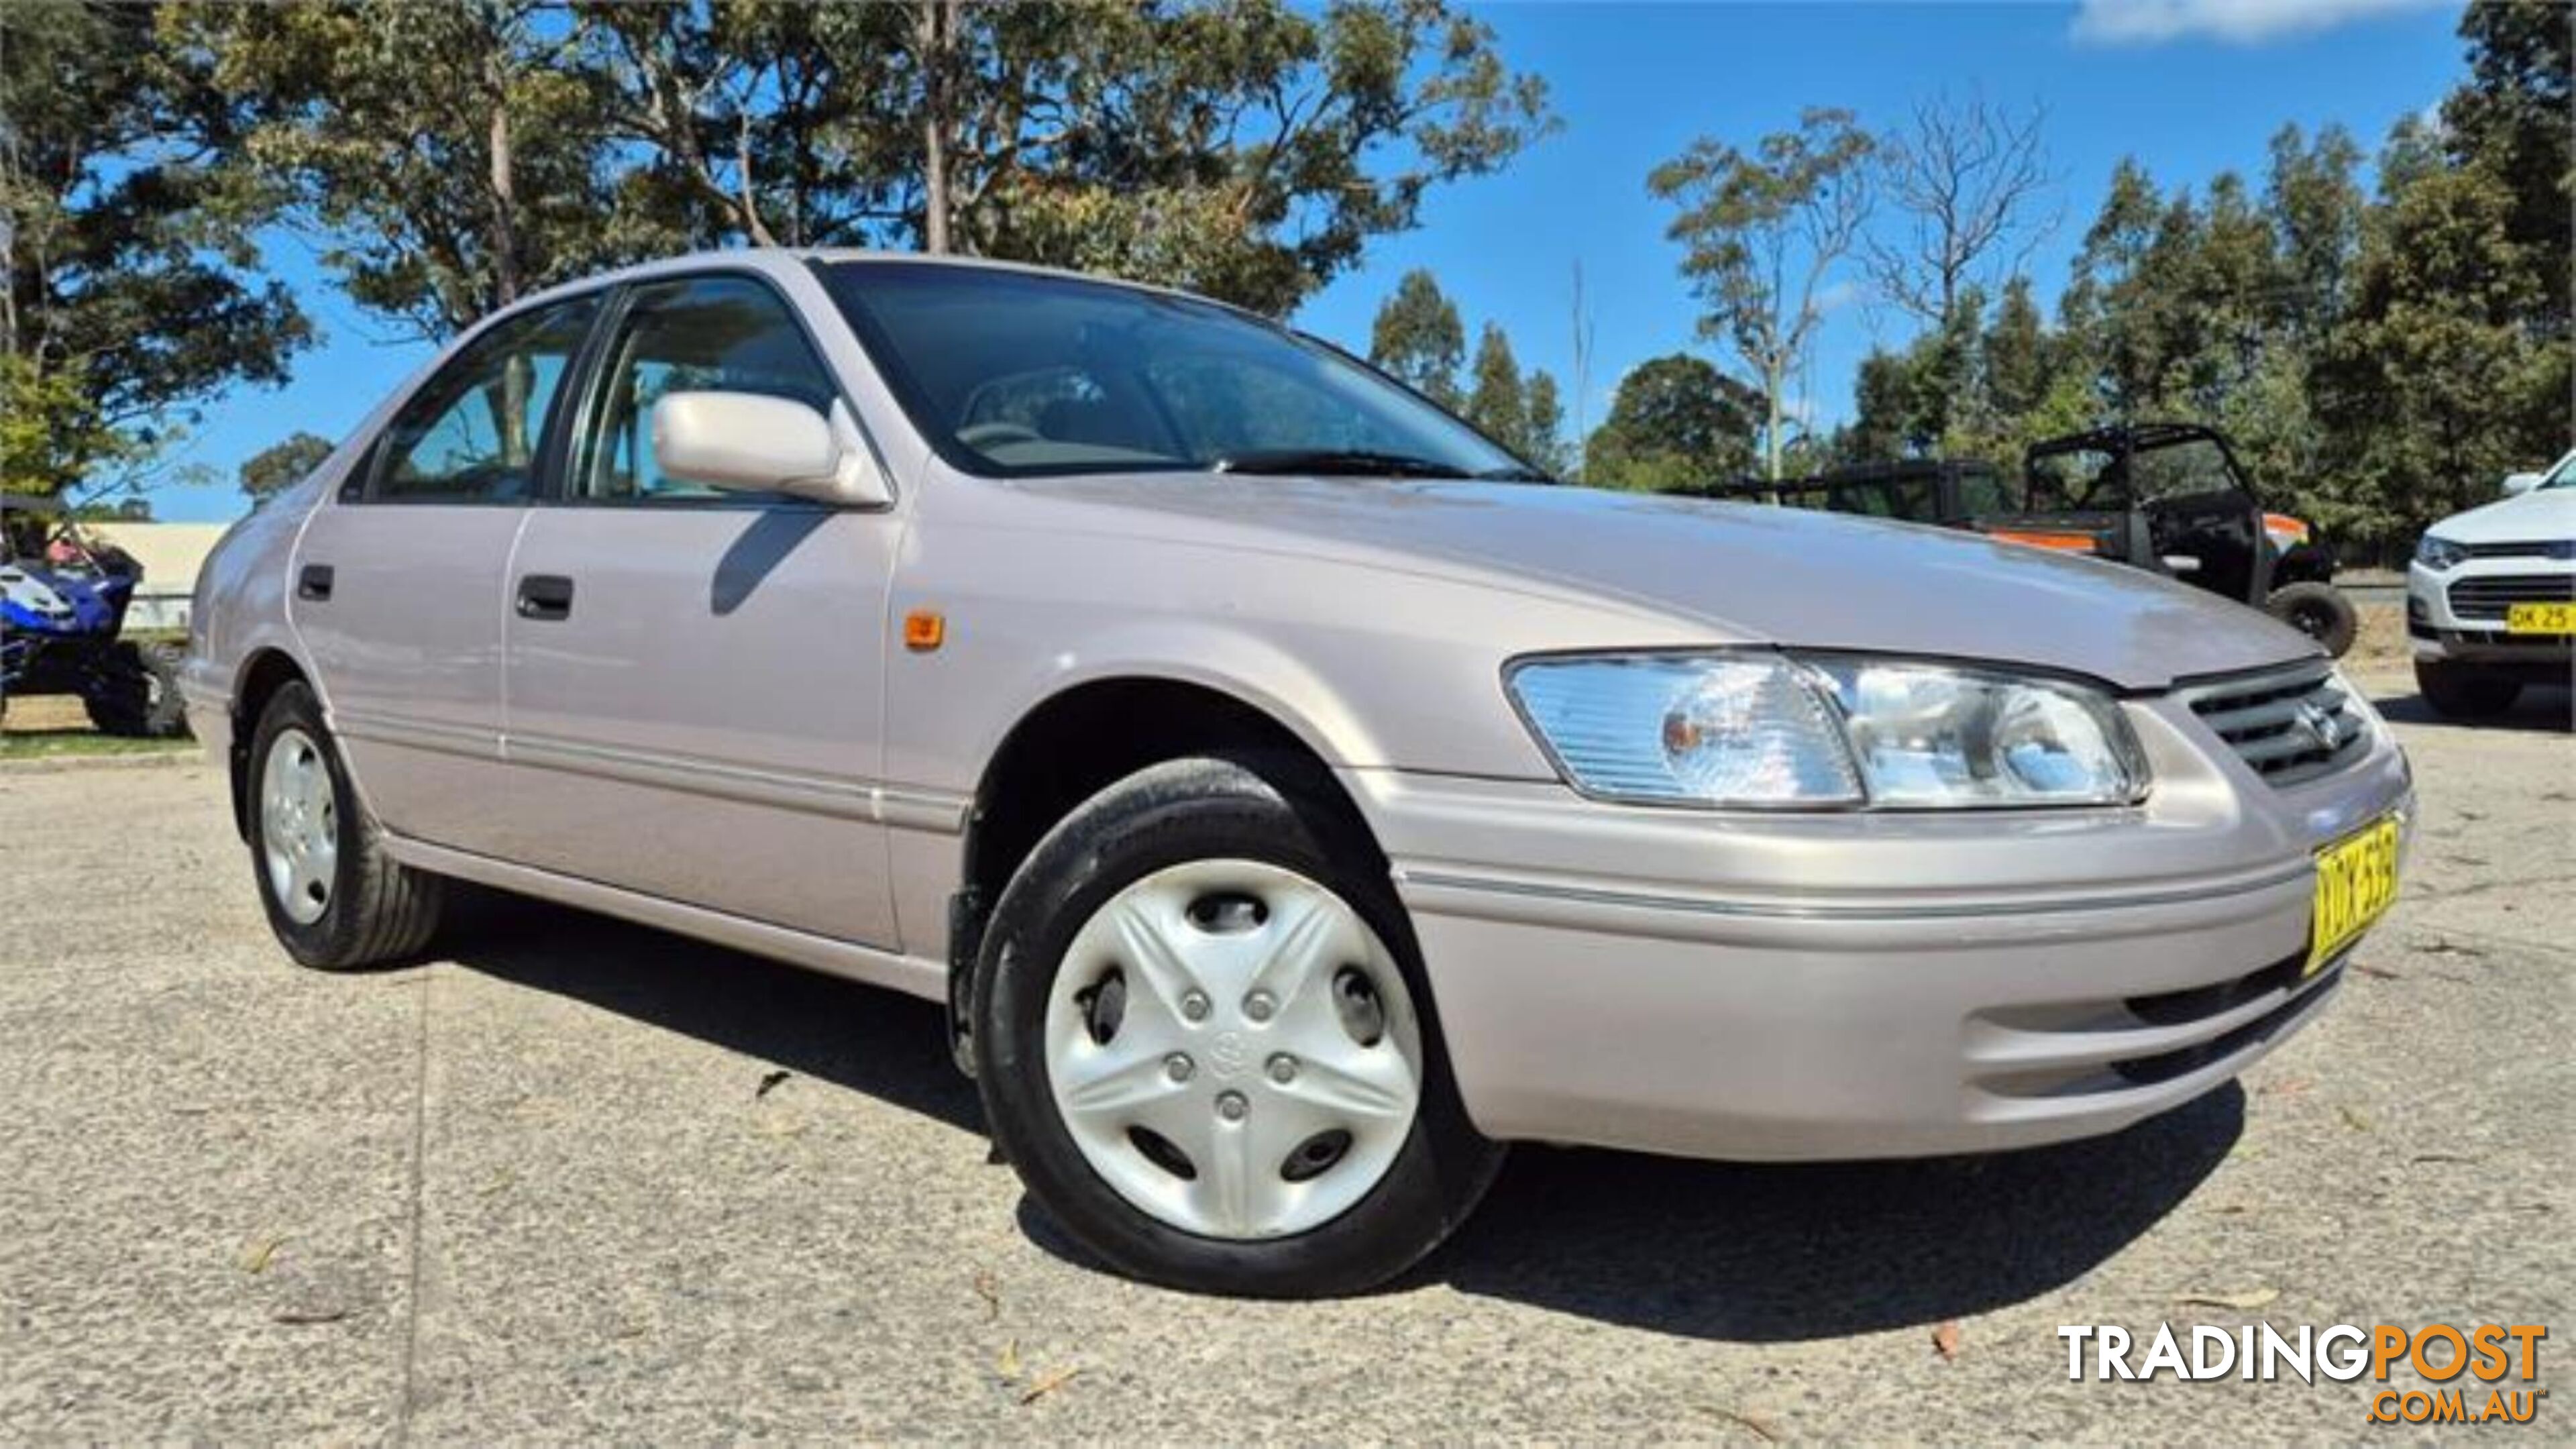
<point x="1337" y="462"/>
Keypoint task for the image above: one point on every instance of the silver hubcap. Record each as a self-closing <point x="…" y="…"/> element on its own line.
<point x="1233" y="1050"/>
<point x="299" y="826"/>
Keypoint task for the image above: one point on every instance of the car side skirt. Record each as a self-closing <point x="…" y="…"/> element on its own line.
<point x="911" y="975"/>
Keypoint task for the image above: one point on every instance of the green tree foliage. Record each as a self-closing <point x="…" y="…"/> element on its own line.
<point x="1522" y="412"/>
<point x="1245" y="149"/>
<point x="1762" y="232"/>
<point x="2452" y="361"/>
<point x="1496" y="401"/>
<point x="1417" y="337"/>
<point x="447" y="157"/>
<point x="457" y="156"/>
<point x="283" y="464"/>
<point x="133" y="294"/>
<point x="2378" y="360"/>
<point x="2441" y="383"/>
<point x="2512" y="121"/>
<point x="1543" y="431"/>
<point x="1675" y="421"/>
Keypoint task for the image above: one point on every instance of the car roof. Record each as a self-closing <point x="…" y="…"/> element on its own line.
<point x="775" y="260"/>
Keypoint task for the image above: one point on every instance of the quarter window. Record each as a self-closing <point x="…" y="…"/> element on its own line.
<point x="720" y="334"/>
<point x="474" y="431"/>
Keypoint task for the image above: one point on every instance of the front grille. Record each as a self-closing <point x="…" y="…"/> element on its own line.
<point x="2289" y="725"/>
<point x="2489" y="597"/>
<point x="2529" y="548"/>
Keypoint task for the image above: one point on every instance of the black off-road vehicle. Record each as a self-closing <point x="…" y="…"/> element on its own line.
<point x="2169" y="497"/>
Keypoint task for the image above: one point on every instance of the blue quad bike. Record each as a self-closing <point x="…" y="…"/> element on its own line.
<point x="62" y="615"/>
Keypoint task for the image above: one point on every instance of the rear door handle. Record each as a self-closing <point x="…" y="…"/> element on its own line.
<point x="314" y="583"/>
<point x="545" y="596"/>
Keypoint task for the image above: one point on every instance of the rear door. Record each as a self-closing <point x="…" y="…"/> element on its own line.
<point x="695" y="678"/>
<point x="396" y="587"/>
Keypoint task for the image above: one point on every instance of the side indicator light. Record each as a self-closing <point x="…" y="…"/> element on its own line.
<point x="924" y="630"/>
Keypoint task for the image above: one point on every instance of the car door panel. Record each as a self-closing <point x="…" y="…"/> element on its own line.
<point x="407" y="648"/>
<point x="395" y="586"/>
<point x="701" y="723"/>
<point x="694" y="680"/>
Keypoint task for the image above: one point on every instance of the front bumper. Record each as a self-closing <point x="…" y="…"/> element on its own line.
<point x="1865" y="985"/>
<point x="2448" y="623"/>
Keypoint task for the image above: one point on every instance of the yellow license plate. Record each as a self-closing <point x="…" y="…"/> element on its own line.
<point x="2540" y="619"/>
<point x="2356" y="882"/>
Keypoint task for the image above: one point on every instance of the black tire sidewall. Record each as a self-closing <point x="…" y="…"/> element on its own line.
<point x="2463" y="691"/>
<point x="326" y="942"/>
<point x="1161" y="818"/>
<point x="2343" y="623"/>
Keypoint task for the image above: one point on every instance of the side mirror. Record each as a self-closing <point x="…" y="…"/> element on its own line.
<point x="747" y="442"/>
<point x="2516" y="484"/>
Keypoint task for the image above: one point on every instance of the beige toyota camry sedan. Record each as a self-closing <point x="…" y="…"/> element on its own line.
<point x="1294" y="797"/>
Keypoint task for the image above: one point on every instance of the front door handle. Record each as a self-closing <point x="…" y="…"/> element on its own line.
<point x="314" y="583"/>
<point x="545" y="596"/>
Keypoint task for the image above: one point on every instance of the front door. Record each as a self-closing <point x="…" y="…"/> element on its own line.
<point x="396" y="586"/>
<point x="695" y="678"/>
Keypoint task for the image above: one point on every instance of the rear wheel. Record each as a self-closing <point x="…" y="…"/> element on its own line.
<point x="2460" y="691"/>
<point x="1204" y="1040"/>
<point x="334" y="897"/>
<point x="135" y="692"/>
<point x="2319" y="611"/>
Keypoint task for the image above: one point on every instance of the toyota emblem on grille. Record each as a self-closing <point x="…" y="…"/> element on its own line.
<point x="2321" y="724"/>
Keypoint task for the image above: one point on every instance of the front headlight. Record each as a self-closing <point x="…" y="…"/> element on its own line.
<point x="2438" y="554"/>
<point x="1756" y="729"/>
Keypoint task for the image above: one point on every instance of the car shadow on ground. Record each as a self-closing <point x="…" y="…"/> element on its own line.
<point x="2540" y="707"/>
<point x="1702" y="1249"/>
<point x="1782" y="1252"/>
<point x="884" y="1043"/>
<point x="1776" y="1253"/>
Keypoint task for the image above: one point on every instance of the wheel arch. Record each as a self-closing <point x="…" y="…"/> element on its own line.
<point x="260" y="676"/>
<point x="1088" y="734"/>
<point x="1077" y="741"/>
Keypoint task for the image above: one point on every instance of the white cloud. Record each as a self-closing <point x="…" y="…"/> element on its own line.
<point x="2238" y="22"/>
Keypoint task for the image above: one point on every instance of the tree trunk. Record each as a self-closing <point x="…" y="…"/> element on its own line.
<point x="936" y="35"/>
<point x="504" y="238"/>
<point x="1771" y="382"/>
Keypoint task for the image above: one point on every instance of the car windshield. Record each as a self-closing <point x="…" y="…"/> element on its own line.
<point x="2562" y="476"/>
<point x="1020" y="374"/>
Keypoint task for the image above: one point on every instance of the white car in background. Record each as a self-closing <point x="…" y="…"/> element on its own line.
<point x="2491" y="596"/>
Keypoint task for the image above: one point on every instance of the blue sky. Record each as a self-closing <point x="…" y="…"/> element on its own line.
<point x="2190" y="87"/>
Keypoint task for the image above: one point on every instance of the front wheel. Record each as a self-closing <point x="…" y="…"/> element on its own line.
<point x="1204" y="1039"/>
<point x="2320" y="611"/>
<point x="335" y="898"/>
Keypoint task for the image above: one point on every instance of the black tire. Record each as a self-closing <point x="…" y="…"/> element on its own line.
<point x="378" y="911"/>
<point x="134" y="692"/>
<point x="2461" y="691"/>
<point x="2319" y="611"/>
<point x="1265" y="809"/>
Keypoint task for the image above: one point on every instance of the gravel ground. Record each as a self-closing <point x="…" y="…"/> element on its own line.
<point x="579" y="1180"/>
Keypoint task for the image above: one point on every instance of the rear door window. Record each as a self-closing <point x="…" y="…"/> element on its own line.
<point x="475" y="431"/>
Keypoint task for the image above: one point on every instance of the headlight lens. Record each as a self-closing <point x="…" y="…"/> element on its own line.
<point x="2438" y="553"/>
<point x="1763" y="730"/>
